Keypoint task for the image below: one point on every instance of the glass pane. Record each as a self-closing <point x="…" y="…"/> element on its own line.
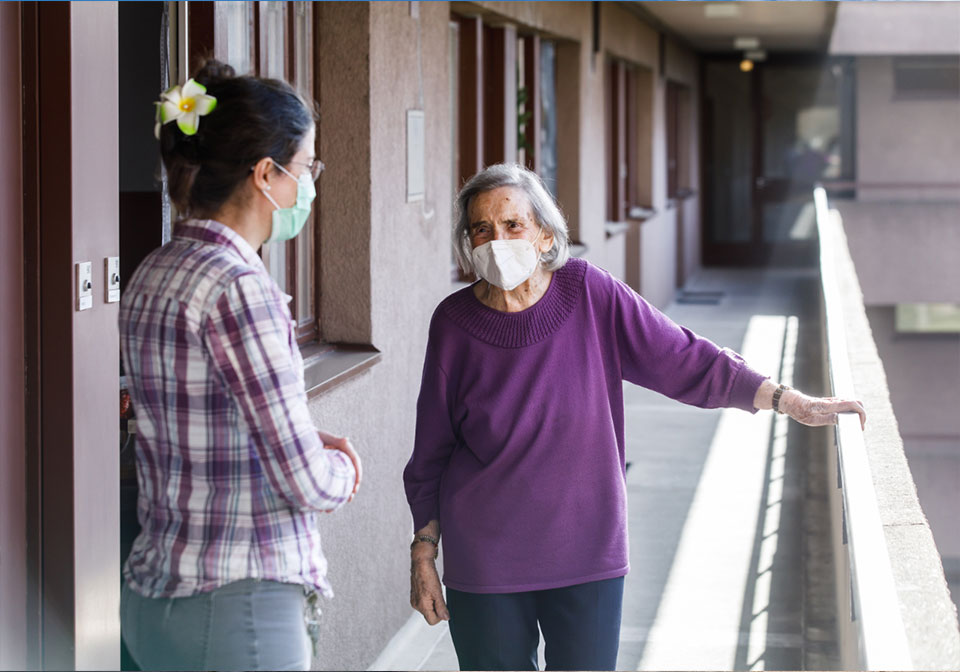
<point x="272" y="40"/>
<point x="303" y="46"/>
<point x="272" y="64"/>
<point x="305" y="274"/>
<point x="303" y="81"/>
<point x="233" y="35"/>
<point x="928" y="317"/>
<point x="801" y="145"/>
<point x="729" y="160"/>
<point x="523" y="99"/>
<point x="454" y="110"/>
<point x="801" y="130"/>
<point x="275" y="259"/>
<point x="548" y="115"/>
<point x="793" y="218"/>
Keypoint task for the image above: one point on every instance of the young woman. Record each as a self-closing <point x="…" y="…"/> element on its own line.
<point x="232" y="473"/>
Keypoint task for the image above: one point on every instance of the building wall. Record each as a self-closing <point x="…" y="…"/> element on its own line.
<point x="388" y="261"/>
<point x="905" y="252"/>
<point x="13" y="609"/>
<point x="923" y="371"/>
<point x="905" y="141"/>
<point x="94" y="158"/>
<point x="865" y="28"/>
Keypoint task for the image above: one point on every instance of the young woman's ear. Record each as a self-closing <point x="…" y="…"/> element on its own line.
<point x="262" y="170"/>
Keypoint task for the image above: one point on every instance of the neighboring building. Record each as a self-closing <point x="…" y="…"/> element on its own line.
<point x="903" y="225"/>
<point x="662" y="152"/>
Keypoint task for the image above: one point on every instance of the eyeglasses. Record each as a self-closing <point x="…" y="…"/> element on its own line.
<point x="315" y="167"/>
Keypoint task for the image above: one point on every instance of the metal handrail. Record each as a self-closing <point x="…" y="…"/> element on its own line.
<point x="881" y="635"/>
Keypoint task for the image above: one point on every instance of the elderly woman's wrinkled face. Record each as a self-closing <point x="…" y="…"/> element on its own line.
<point x="504" y="213"/>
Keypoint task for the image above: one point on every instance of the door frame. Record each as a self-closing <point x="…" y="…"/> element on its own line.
<point x="70" y="204"/>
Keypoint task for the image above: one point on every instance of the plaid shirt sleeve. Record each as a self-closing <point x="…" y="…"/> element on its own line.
<point x="249" y="337"/>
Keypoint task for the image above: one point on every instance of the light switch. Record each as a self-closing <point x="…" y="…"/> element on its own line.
<point x="84" y="285"/>
<point x="111" y="279"/>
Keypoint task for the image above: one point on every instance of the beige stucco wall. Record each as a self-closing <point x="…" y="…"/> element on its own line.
<point x="896" y="28"/>
<point x="923" y="371"/>
<point x="905" y="252"/>
<point x="904" y="141"/>
<point x="658" y="235"/>
<point x="384" y="258"/>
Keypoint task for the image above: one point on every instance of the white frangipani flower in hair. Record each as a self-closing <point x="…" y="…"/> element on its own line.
<point x="185" y="104"/>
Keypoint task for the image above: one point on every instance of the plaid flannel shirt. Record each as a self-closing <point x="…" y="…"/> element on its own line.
<point x="232" y="472"/>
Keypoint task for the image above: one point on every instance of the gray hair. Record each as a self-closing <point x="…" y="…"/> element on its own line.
<point x="544" y="207"/>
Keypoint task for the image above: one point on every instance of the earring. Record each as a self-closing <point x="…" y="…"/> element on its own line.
<point x="267" y="187"/>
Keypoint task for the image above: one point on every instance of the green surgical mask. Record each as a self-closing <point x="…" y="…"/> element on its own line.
<point x="288" y="222"/>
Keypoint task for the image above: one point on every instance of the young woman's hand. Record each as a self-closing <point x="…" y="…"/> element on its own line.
<point x="344" y="446"/>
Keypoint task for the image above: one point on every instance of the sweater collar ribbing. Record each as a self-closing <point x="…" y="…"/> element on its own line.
<point x="517" y="330"/>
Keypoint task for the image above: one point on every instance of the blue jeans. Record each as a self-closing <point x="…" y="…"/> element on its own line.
<point x="245" y="625"/>
<point x="580" y="624"/>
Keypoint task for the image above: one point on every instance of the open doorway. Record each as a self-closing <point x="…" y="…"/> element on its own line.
<point x="144" y="71"/>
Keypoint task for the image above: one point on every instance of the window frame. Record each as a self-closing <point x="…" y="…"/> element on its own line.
<point x="900" y="65"/>
<point x="622" y="138"/>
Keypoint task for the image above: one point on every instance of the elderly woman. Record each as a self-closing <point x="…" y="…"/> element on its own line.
<point x="519" y="450"/>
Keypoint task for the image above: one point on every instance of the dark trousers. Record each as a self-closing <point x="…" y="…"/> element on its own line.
<point x="580" y="624"/>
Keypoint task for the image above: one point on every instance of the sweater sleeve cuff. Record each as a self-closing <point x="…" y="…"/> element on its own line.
<point x="423" y="512"/>
<point x="744" y="389"/>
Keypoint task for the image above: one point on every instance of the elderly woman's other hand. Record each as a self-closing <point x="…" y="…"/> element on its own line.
<point x="819" y="411"/>
<point x="426" y="595"/>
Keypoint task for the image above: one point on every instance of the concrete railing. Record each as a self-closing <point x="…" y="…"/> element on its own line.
<point x="894" y="609"/>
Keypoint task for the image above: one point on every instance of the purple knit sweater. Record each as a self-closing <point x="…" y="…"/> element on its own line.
<point x="519" y="449"/>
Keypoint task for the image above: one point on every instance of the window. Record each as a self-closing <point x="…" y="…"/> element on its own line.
<point x="233" y="34"/>
<point x="678" y="140"/>
<point x="536" y="108"/>
<point x="926" y="77"/>
<point x="928" y="318"/>
<point x="286" y="51"/>
<point x="547" y="167"/>
<point x="622" y="140"/>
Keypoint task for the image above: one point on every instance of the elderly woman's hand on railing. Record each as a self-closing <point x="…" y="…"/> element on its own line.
<point x="819" y="411"/>
<point x="807" y="410"/>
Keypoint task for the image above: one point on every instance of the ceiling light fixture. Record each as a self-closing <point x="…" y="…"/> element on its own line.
<point x="745" y="43"/>
<point x="746" y="65"/>
<point x="721" y="10"/>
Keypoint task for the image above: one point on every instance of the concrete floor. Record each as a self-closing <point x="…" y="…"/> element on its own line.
<point x="716" y="502"/>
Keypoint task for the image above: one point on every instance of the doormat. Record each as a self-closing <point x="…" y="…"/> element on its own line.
<point x="700" y="298"/>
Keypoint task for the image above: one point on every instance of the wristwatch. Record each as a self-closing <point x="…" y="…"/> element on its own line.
<point x="777" y="393"/>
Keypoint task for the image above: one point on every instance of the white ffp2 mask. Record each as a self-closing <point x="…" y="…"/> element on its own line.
<point x="506" y="263"/>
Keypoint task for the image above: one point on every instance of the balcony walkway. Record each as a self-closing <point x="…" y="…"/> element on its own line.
<point x="722" y="512"/>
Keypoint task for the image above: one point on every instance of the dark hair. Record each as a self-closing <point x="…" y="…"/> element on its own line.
<point x="254" y="118"/>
